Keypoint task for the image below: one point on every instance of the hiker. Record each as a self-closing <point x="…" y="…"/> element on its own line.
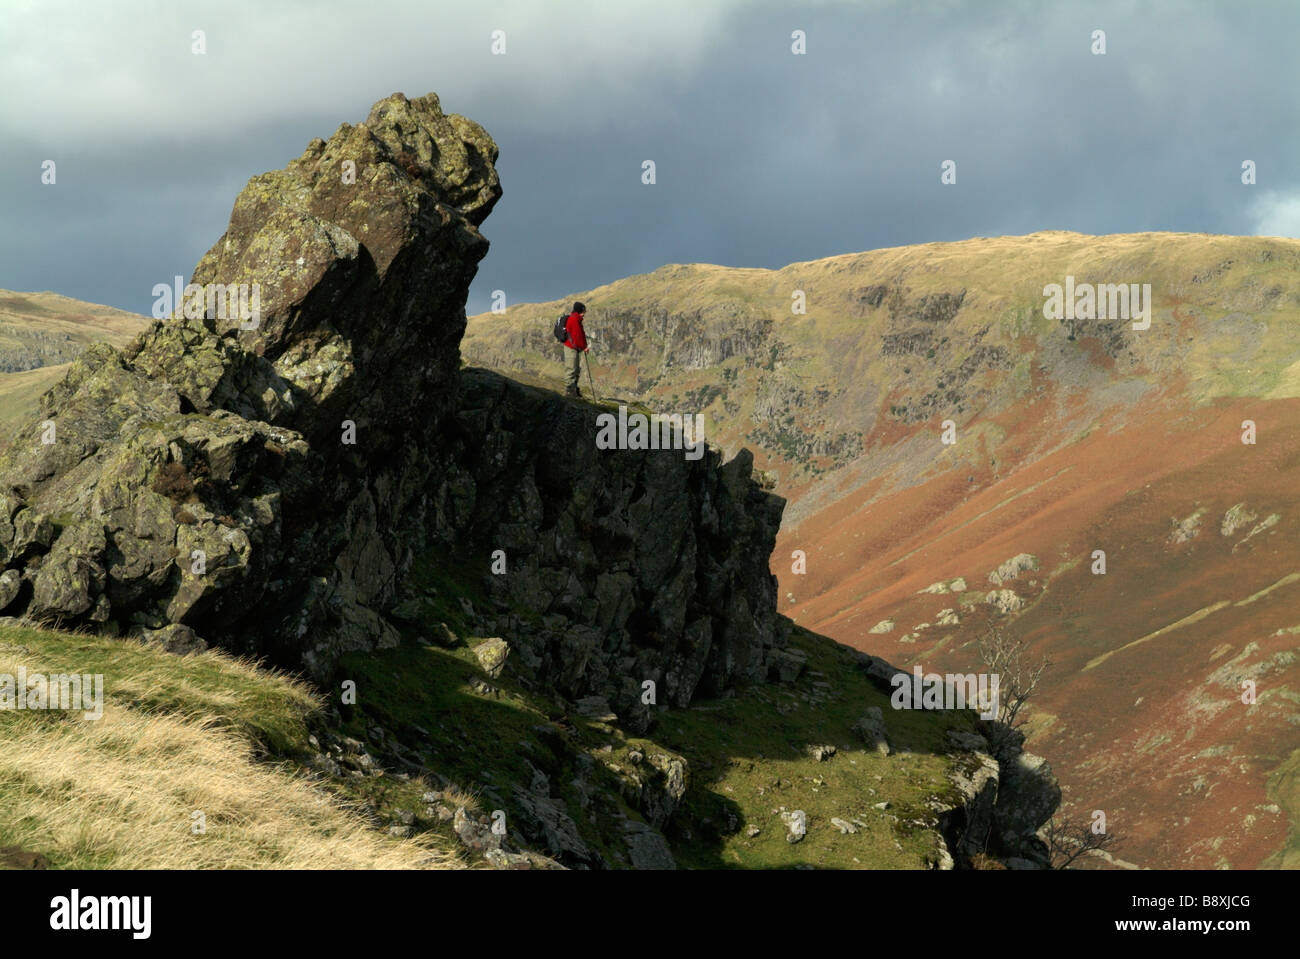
<point x="576" y="340"/>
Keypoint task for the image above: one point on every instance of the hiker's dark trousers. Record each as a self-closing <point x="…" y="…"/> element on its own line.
<point x="574" y="363"/>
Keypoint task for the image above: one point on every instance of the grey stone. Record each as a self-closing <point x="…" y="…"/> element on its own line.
<point x="546" y="821"/>
<point x="175" y="638"/>
<point x="786" y="665"/>
<point x="970" y="742"/>
<point x="492" y="655"/>
<point x="796" y="825"/>
<point x="647" y="848"/>
<point x="871" y="727"/>
<point x="11" y="581"/>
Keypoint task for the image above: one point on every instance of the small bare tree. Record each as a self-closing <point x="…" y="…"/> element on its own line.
<point x="1018" y="680"/>
<point x="1066" y="843"/>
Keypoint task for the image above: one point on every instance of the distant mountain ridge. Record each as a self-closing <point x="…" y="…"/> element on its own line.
<point x="42" y="332"/>
<point x="45" y="329"/>
<point x="926" y="326"/>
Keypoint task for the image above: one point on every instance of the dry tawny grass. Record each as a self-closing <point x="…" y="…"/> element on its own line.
<point x="120" y="793"/>
<point x="455" y="796"/>
<point x="178" y="736"/>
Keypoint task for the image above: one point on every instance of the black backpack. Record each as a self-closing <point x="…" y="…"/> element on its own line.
<point x="561" y="329"/>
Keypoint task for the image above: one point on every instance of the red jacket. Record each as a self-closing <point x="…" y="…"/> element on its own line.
<point x="577" y="335"/>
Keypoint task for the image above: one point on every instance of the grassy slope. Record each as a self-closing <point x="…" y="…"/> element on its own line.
<point x="203" y="733"/>
<point x="747" y="761"/>
<point x="746" y="754"/>
<point x="20" y="393"/>
<point x="227" y="737"/>
<point x="753" y="760"/>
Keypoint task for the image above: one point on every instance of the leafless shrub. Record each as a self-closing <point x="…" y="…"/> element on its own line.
<point x="1018" y="679"/>
<point x="1066" y="843"/>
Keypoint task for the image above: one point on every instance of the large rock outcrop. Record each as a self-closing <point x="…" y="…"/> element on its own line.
<point x="270" y="480"/>
<point x="243" y="475"/>
<point x="637" y="565"/>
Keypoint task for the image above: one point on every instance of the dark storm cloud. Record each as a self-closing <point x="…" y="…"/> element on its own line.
<point x="763" y="157"/>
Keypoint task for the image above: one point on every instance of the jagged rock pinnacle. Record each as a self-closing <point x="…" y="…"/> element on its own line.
<point x="204" y="475"/>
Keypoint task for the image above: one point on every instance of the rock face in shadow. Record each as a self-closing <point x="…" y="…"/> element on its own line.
<point x="268" y="478"/>
<point x="640" y="565"/>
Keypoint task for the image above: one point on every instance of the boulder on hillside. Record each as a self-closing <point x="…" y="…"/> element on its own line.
<point x="1004" y="601"/>
<point x="787" y="665"/>
<point x="175" y="638"/>
<point x="871" y="727"/>
<point x="1012" y="568"/>
<point x="492" y="655"/>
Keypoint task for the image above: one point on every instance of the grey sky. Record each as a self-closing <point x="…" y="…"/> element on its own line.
<point x="763" y="157"/>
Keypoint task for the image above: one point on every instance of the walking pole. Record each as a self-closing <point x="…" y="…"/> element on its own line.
<point x="590" y="381"/>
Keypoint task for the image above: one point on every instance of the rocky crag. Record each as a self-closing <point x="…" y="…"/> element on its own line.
<point x="324" y="485"/>
<point x="636" y="566"/>
<point x="271" y="485"/>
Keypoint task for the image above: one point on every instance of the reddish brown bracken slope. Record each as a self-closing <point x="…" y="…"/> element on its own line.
<point x="1141" y="712"/>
